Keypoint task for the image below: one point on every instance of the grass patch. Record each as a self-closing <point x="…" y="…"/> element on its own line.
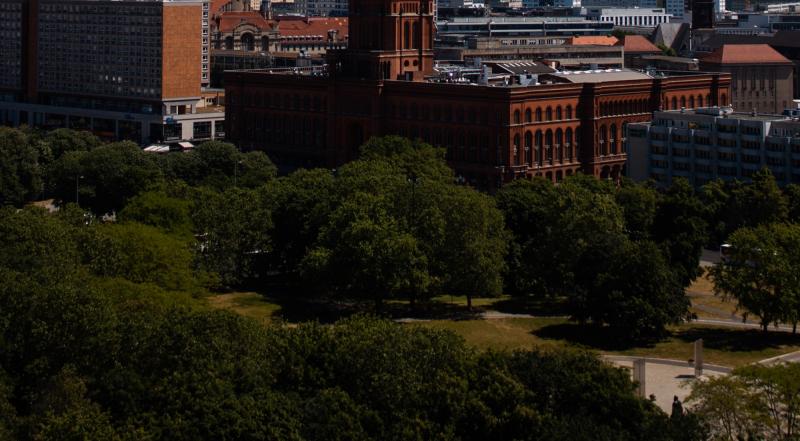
<point x="727" y="347"/>
<point x="248" y="304"/>
<point x="509" y="333"/>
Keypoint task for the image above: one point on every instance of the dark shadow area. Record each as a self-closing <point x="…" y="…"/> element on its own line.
<point x="529" y="305"/>
<point x="589" y="336"/>
<point x="737" y="340"/>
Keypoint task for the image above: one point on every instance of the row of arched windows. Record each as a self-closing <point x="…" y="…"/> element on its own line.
<point x="610" y="140"/>
<point x="692" y="102"/>
<point x="548" y="114"/>
<point x="624" y="107"/>
<point x="461" y="145"/>
<point x="443" y="113"/>
<point x="545" y="147"/>
<point x="281" y="129"/>
<point x="285" y="101"/>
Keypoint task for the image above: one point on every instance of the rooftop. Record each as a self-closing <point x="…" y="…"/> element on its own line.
<point x="314" y="26"/>
<point x="745" y="54"/>
<point x="601" y="75"/>
<point x="638" y="43"/>
<point x="600" y="40"/>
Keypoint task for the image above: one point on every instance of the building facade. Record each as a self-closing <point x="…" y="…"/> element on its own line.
<point x="629" y="17"/>
<point x="713" y="143"/>
<point x="123" y="69"/>
<point x="761" y="78"/>
<point x="495" y="127"/>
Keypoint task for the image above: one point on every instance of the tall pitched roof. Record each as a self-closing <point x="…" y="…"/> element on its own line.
<point x="745" y="54"/>
<point x="600" y="40"/>
<point x="638" y="43"/>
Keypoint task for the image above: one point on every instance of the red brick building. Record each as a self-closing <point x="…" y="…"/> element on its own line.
<point x="495" y="127"/>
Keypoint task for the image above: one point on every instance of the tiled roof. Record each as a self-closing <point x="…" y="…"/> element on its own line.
<point x="638" y="43"/>
<point x="313" y="26"/>
<point x="745" y="54"/>
<point x="601" y="40"/>
<point x="228" y="21"/>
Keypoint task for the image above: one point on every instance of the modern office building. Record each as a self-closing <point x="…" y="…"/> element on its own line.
<point x="123" y="69"/>
<point x="495" y="126"/>
<point x="714" y="143"/>
<point x="561" y="50"/>
<point x="629" y="17"/>
<point x="521" y="27"/>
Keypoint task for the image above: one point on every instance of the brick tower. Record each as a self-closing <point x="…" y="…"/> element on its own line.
<point x="389" y="39"/>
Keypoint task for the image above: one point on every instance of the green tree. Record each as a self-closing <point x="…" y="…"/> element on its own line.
<point x="61" y="141"/>
<point x="680" y="229"/>
<point x="637" y="294"/>
<point x="234" y="230"/>
<point x="639" y="204"/>
<point x="792" y="193"/>
<point x="157" y="209"/>
<point x="754" y="402"/>
<point x="761" y="272"/>
<point x="21" y="176"/>
<point x="144" y="254"/>
<point x="365" y="253"/>
<point x="302" y="203"/>
<point x="475" y="245"/>
<point x="37" y="243"/>
<point x="105" y="178"/>
<point x="416" y="159"/>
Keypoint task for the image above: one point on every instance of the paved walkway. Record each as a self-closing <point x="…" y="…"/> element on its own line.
<point x="667" y="378"/>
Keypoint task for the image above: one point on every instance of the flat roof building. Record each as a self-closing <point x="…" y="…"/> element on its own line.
<point x="705" y="144"/>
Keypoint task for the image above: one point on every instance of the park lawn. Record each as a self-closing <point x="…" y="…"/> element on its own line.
<point x="248" y="304"/>
<point x="723" y="346"/>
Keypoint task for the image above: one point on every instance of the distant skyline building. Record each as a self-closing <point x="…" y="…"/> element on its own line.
<point x="123" y="69"/>
<point x="630" y="17"/>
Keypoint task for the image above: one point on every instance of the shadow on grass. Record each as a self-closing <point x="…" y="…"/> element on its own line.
<point x="527" y="305"/>
<point x="589" y="336"/>
<point x="728" y="340"/>
<point x="737" y="340"/>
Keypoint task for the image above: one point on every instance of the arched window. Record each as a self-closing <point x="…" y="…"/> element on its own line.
<point x="265" y="44"/>
<point x="548" y="114"/>
<point x="406" y="35"/>
<point x="517" y="151"/>
<point x="683" y="101"/>
<point x="538" y="114"/>
<point x="699" y="100"/>
<point x="558" y="113"/>
<point x="548" y="145"/>
<point x="516" y="117"/>
<point x="613" y="139"/>
<point x="708" y="99"/>
<point x="691" y="102"/>
<point x="674" y="103"/>
<point x="528" y="115"/>
<point x="568" y="142"/>
<point x="537" y="147"/>
<point x="229" y="43"/>
<point x="415" y="37"/>
<point x="602" y="137"/>
<point x="528" y="147"/>
<point x="248" y="43"/>
<point x="569" y="112"/>
<point x="559" y="145"/>
<point x="624" y="138"/>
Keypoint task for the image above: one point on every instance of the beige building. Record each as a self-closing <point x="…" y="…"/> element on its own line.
<point x="761" y="78"/>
